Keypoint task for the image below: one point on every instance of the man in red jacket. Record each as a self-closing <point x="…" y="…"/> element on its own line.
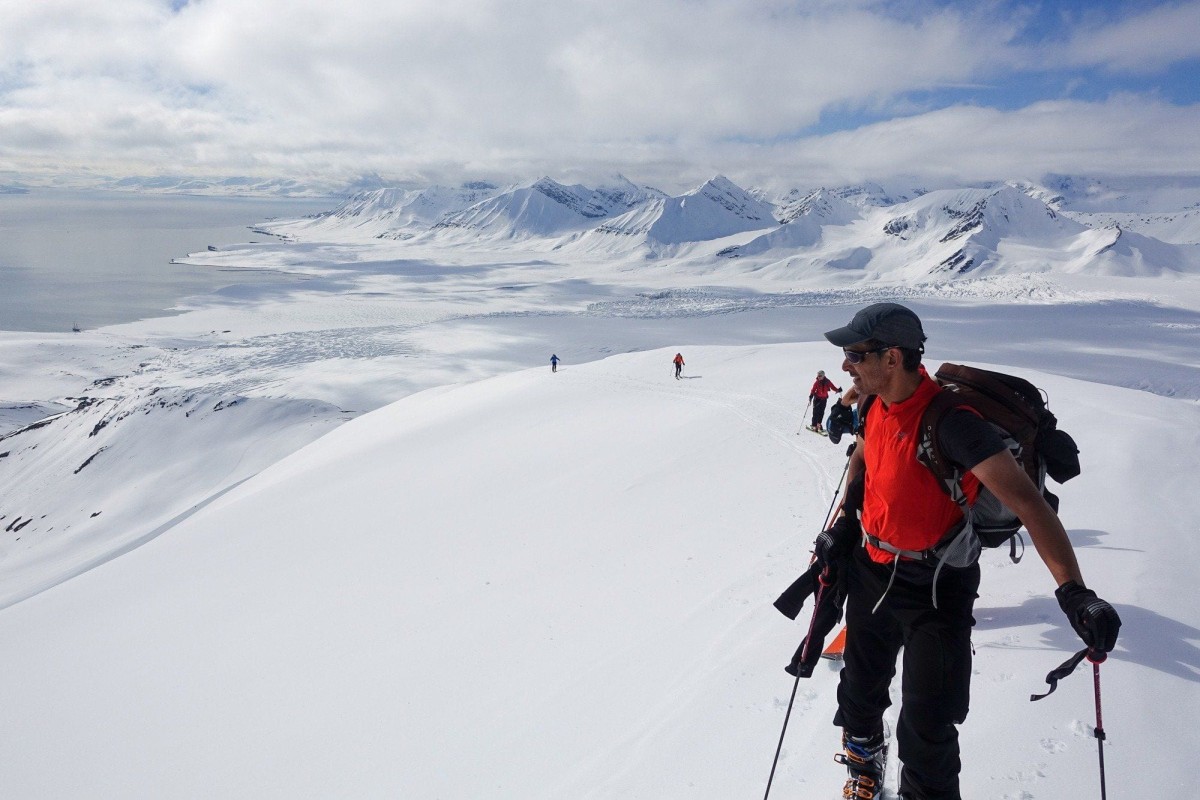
<point x="819" y="396"/>
<point x="894" y="600"/>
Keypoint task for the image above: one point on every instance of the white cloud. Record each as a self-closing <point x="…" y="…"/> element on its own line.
<point x="1146" y="42"/>
<point x="1123" y="135"/>
<point x="505" y="88"/>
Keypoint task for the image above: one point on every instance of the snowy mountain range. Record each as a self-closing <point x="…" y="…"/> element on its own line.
<point x="864" y="232"/>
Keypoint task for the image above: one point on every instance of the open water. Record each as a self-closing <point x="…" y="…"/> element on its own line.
<point x="90" y="259"/>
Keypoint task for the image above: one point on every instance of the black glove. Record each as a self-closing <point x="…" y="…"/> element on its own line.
<point x="842" y="414"/>
<point x="833" y="545"/>
<point x="1093" y="619"/>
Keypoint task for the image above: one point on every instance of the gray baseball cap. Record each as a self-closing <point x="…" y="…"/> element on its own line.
<point x="889" y="323"/>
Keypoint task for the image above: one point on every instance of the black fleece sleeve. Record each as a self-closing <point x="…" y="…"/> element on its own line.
<point x="967" y="438"/>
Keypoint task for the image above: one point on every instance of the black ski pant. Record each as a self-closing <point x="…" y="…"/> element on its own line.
<point x="818" y="410"/>
<point x="936" y="683"/>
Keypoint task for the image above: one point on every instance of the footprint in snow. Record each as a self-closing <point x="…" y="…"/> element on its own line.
<point x="1053" y="746"/>
<point x="1037" y="772"/>
<point x="1080" y="728"/>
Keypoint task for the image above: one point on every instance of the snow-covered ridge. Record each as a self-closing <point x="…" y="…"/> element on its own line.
<point x="386" y="213"/>
<point x="542" y="209"/>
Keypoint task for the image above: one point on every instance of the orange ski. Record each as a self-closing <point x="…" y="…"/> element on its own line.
<point x="835" y="648"/>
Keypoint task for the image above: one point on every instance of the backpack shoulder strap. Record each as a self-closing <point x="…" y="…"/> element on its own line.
<point x="864" y="406"/>
<point x="929" y="449"/>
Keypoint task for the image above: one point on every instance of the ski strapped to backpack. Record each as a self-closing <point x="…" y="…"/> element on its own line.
<point x="1019" y="412"/>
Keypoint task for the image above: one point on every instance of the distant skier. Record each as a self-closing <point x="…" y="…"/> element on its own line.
<point x="678" y="361"/>
<point x="553" y="363"/>
<point x="819" y="395"/>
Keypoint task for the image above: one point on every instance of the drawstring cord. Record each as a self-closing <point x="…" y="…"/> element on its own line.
<point x="895" y="566"/>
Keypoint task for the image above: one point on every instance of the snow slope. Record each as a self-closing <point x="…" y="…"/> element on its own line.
<point x="802" y="223"/>
<point x="559" y="585"/>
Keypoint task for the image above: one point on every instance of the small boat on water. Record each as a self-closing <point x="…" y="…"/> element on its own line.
<point x="75" y="328"/>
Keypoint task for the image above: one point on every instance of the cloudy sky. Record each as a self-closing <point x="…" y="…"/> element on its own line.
<point x="668" y="92"/>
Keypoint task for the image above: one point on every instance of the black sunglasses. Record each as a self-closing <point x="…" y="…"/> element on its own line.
<point x="858" y="356"/>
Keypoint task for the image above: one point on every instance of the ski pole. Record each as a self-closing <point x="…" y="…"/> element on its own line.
<point x="1097" y="659"/>
<point x="838" y="489"/>
<point x="822" y="583"/>
<point x="804" y="415"/>
<point x="1065" y="669"/>
<point x="786" y="717"/>
<point x="831" y="512"/>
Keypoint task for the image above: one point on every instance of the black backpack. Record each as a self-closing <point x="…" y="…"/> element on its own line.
<point x="1019" y="412"/>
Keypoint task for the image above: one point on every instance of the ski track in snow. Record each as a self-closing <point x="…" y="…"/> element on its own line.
<point x="771" y="416"/>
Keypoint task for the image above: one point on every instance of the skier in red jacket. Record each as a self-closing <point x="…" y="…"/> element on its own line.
<point x="819" y="395"/>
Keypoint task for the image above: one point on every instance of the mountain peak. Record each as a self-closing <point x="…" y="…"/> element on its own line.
<point x="721" y="184"/>
<point x="715" y="209"/>
<point x="824" y="204"/>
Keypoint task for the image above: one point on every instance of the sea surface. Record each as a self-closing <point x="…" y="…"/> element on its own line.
<point x="88" y="259"/>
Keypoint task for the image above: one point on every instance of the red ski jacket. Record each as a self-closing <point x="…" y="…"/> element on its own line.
<point x="822" y="387"/>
